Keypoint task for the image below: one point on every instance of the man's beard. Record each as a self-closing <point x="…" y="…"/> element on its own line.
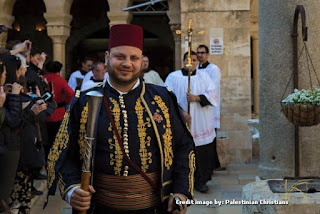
<point x="113" y="76"/>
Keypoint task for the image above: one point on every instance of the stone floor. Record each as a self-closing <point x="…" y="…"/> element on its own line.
<point x="225" y="185"/>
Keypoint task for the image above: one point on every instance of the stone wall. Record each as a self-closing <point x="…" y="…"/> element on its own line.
<point x="229" y="20"/>
<point x="276" y="66"/>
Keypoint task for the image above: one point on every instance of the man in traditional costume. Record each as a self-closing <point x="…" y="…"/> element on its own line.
<point x="203" y="100"/>
<point x="214" y="72"/>
<point x="151" y="132"/>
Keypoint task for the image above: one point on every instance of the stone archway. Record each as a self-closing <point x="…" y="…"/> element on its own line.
<point x="82" y="27"/>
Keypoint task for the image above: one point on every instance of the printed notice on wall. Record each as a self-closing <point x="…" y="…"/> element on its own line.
<point x="216" y="46"/>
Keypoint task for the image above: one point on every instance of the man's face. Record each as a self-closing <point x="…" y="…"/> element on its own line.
<point x="194" y="62"/>
<point x="87" y="65"/>
<point x="3" y="77"/>
<point x="202" y="55"/>
<point x="35" y="59"/>
<point x="124" y="65"/>
<point x="145" y="64"/>
<point x="99" y="73"/>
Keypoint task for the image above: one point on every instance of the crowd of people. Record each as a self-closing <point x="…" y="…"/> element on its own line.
<point x="43" y="120"/>
<point x="33" y="101"/>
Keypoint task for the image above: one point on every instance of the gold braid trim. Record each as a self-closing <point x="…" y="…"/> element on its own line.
<point x="117" y="153"/>
<point x="146" y="157"/>
<point x="60" y="143"/>
<point x="155" y="128"/>
<point x="167" y="136"/>
<point x="192" y="166"/>
<point x="83" y="131"/>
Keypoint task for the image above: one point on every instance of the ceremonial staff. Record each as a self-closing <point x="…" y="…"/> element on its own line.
<point x="94" y="98"/>
<point x="189" y="65"/>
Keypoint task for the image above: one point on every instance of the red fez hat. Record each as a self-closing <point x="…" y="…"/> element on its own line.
<point x="124" y="34"/>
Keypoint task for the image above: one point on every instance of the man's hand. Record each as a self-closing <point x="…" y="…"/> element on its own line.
<point x="43" y="57"/>
<point x="80" y="199"/>
<point x="182" y="198"/>
<point x="38" y="107"/>
<point x="193" y="98"/>
<point x="186" y="116"/>
<point x="16" y="88"/>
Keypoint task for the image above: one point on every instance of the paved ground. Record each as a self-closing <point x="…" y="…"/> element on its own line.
<point x="225" y="185"/>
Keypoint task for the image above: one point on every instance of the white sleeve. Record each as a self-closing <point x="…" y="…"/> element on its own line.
<point x="159" y="80"/>
<point x="87" y="77"/>
<point x="72" y="82"/>
<point x="69" y="194"/>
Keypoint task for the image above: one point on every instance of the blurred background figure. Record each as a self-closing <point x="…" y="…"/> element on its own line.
<point x="150" y="76"/>
<point x="76" y="78"/>
<point x="99" y="75"/>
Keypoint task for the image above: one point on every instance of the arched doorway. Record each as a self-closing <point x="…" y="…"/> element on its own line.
<point x="30" y="24"/>
<point x="89" y="20"/>
<point x="158" y="42"/>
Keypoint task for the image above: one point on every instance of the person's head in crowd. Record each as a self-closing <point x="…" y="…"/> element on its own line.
<point x="86" y="64"/>
<point x="203" y="53"/>
<point x="35" y="56"/>
<point x="10" y="44"/>
<point x="4" y="52"/>
<point x="98" y="71"/>
<point x="124" y="58"/>
<point x="23" y="68"/>
<point x="53" y="67"/>
<point x="3" y="73"/>
<point x="194" y="60"/>
<point x="145" y="63"/>
<point x="13" y="65"/>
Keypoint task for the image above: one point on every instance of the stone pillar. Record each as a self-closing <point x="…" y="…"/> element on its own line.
<point x="177" y="46"/>
<point x="3" y="39"/>
<point x="275" y="51"/>
<point x="255" y="62"/>
<point x="116" y="15"/>
<point x="58" y="28"/>
<point x="6" y="19"/>
<point x="254" y="28"/>
<point x="174" y="14"/>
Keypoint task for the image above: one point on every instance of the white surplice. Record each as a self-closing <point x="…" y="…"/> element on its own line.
<point x="201" y="128"/>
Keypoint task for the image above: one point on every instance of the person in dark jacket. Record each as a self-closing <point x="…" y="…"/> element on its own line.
<point x="11" y="120"/>
<point x="13" y="131"/>
<point x="33" y="74"/>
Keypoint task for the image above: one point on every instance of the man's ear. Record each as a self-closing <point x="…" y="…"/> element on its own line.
<point x="106" y="57"/>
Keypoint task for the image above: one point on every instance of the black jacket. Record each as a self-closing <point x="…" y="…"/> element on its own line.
<point x="9" y="131"/>
<point x="33" y="79"/>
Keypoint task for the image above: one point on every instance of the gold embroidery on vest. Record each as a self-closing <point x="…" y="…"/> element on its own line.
<point x="83" y="130"/>
<point x="167" y="136"/>
<point x="146" y="157"/>
<point x="192" y="167"/>
<point x="116" y="158"/>
<point x="60" y="143"/>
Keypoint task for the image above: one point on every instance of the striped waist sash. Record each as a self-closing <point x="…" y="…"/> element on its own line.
<point x="131" y="192"/>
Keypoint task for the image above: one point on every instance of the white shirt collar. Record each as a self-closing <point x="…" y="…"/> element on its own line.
<point x="120" y="92"/>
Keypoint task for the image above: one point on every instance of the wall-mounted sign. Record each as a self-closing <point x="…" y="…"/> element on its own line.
<point x="216" y="46"/>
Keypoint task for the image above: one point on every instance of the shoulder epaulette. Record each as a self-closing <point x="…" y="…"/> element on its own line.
<point x="77" y="95"/>
<point x="96" y="86"/>
<point x="169" y="89"/>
